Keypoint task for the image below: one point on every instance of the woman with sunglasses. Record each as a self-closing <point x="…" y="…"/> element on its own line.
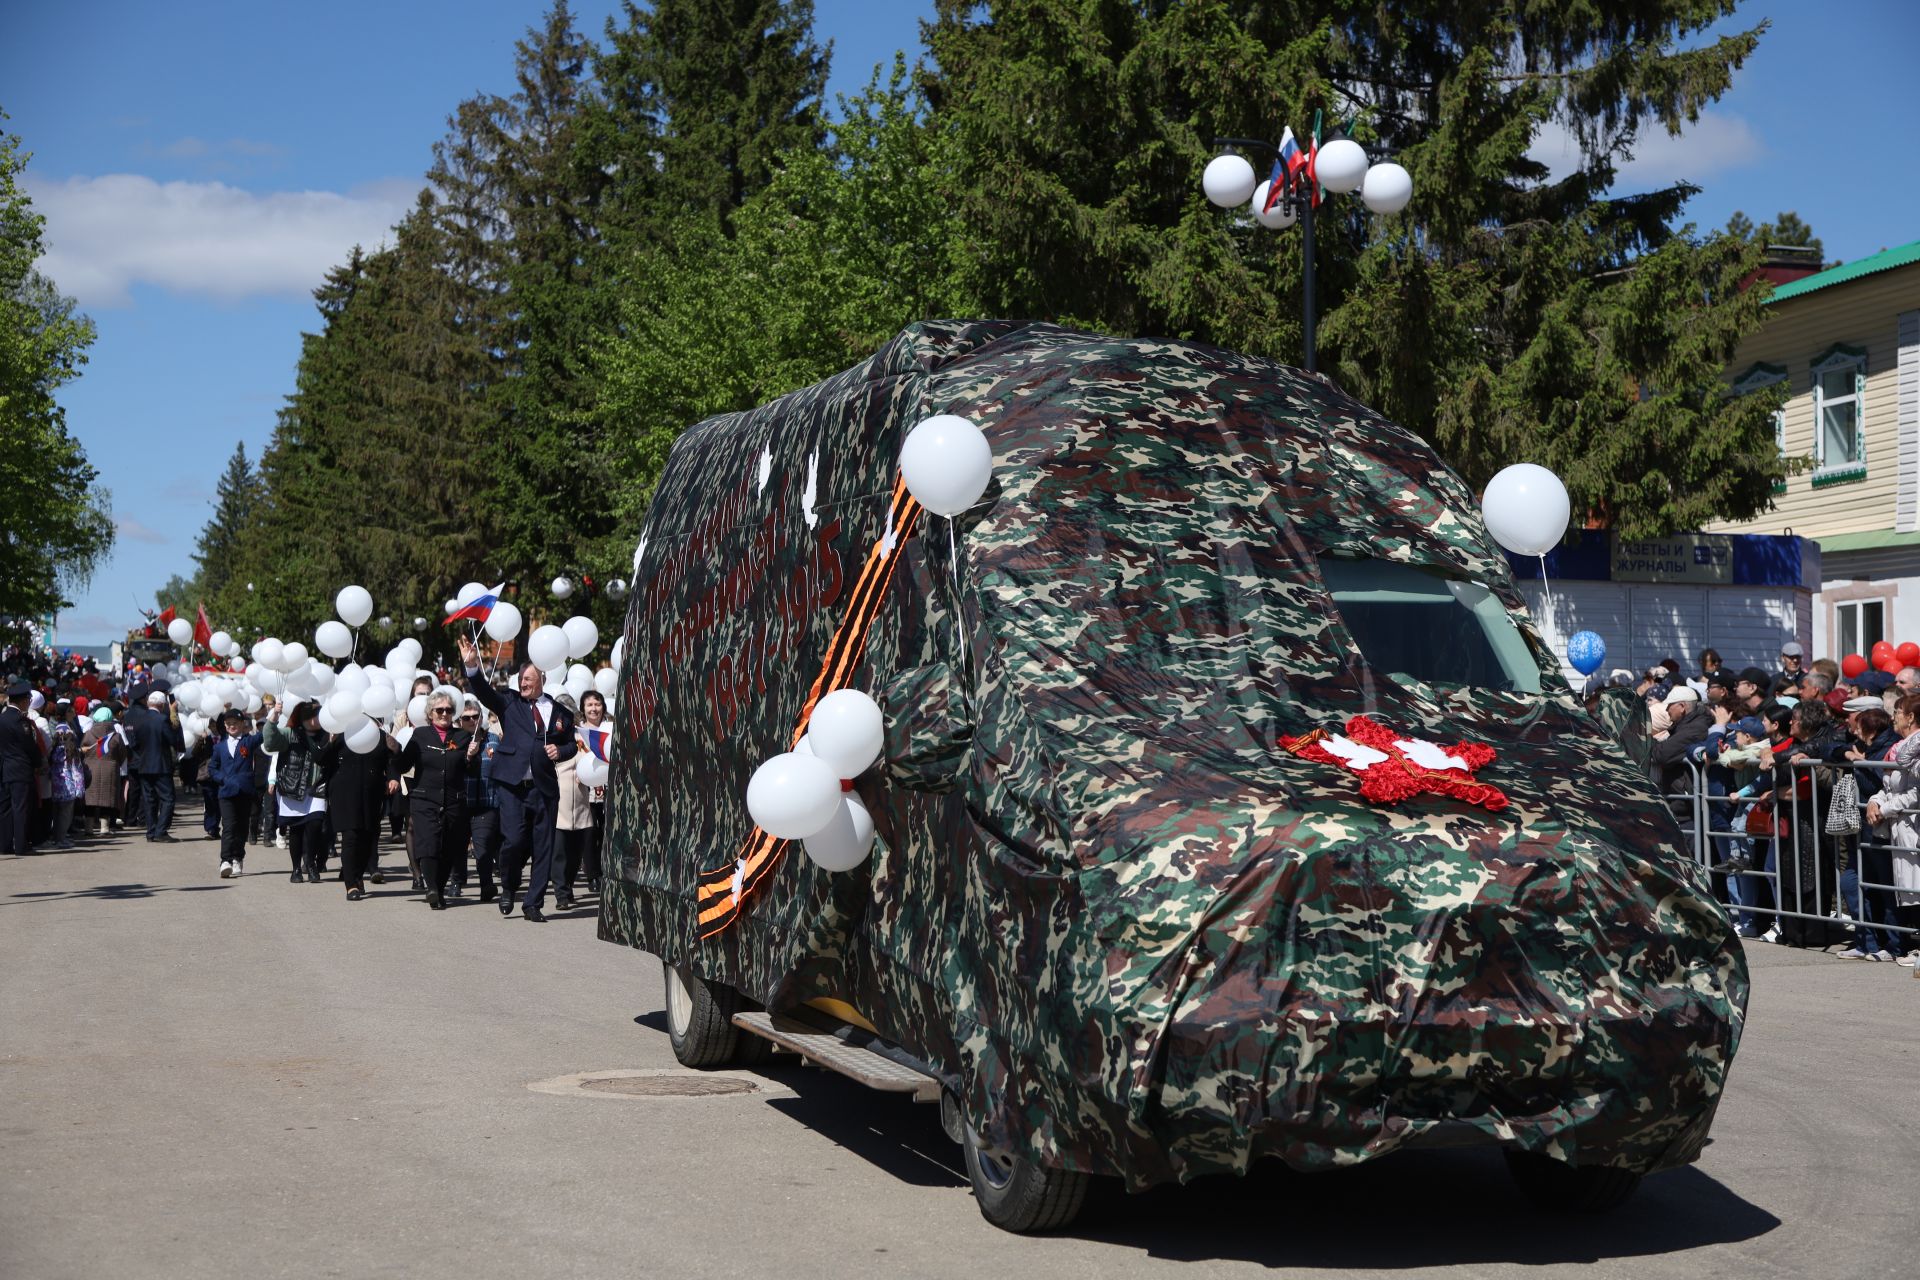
<point x="436" y="754"/>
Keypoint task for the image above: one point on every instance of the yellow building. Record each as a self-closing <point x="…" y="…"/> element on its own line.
<point x="1846" y="341"/>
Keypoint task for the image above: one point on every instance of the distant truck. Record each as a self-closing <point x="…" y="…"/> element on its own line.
<point x="1231" y="808"/>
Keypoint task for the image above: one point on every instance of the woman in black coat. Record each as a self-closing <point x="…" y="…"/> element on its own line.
<point x="358" y="795"/>
<point x="437" y="753"/>
<point x="307" y="758"/>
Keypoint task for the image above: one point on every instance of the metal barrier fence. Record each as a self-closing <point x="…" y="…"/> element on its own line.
<point x="1804" y="878"/>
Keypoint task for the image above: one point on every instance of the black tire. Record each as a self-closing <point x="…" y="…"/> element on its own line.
<point x="1017" y="1195"/>
<point x="1565" y="1188"/>
<point x="700" y="1018"/>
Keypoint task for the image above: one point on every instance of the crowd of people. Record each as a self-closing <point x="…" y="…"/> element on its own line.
<point x="483" y="795"/>
<point x="1802" y="781"/>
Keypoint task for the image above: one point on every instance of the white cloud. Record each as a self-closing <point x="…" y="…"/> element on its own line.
<point x="1715" y="143"/>
<point x="106" y="234"/>
<point x="129" y="528"/>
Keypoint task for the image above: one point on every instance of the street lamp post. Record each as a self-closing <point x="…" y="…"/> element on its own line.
<point x="1339" y="166"/>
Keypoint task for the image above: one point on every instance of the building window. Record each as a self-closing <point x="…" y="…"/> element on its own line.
<point x="1757" y="378"/>
<point x="1861" y="624"/>
<point x="1839" y="396"/>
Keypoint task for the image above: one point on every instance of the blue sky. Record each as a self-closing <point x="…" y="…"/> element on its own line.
<point x="201" y="165"/>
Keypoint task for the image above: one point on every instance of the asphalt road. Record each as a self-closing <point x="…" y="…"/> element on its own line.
<point x="205" y="1078"/>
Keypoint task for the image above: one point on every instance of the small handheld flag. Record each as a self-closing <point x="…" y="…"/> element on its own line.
<point x="596" y="741"/>
<point x="478" y="609"/>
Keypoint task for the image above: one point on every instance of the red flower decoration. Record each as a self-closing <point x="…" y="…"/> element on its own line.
<point x="1392" y="767"/>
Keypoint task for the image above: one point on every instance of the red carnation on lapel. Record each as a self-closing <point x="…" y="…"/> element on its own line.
<point x="1391" y="767"/>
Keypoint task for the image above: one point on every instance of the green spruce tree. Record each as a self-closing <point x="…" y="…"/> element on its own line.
<point x="1496" y="315"/>
<point x="215" y="551"/>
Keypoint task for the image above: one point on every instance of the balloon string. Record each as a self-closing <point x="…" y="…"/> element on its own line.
<point x="1546" y="586"/>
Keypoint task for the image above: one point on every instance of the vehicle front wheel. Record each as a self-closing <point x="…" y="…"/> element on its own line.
<point x="1017" y="1195"/>
<point x="1553" y="1185"/>
<point x="700" y="1018"/>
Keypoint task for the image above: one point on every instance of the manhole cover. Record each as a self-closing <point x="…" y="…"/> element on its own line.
<point x="666" y="1086"/>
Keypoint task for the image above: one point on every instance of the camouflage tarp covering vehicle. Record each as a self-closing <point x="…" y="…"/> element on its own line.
<point x="1135" y="931"/>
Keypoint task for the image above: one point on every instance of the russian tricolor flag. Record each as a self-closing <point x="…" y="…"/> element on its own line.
<point x="478" y="609"/>
<point x="596" y="740"/>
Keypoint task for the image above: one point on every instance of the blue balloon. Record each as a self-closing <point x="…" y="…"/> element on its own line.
<point x="1586" y="651"/>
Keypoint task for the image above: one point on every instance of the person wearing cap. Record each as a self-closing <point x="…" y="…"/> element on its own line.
<point x="1687" y="729"/>
<point x="105" y="754"/>
<point x="230" y="779"/>
<point x="20" y="760"/>
<point x="1792" y="665"/>
<point x="1741" y="754"/>
<point x="155" y="744"/>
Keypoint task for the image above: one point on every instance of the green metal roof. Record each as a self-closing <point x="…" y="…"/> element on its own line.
<point x="1871" y="540"/>
<point x="1885" y="260"/>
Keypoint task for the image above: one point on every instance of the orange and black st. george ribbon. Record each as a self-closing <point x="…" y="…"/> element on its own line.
<point x="723" y="890"/>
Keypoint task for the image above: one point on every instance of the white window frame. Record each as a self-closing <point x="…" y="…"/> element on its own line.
<point x="1758" y="378"/>
<point x="1862" y="644"/>
<point x="1835" y="359"/>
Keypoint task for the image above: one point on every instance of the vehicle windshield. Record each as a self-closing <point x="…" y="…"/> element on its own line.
<point x="1411" y="622"/>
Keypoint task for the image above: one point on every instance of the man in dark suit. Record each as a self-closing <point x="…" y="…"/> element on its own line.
<point x="155" y="747"/>
<point x="19" y="759"/>
<point x="535" y="733"/>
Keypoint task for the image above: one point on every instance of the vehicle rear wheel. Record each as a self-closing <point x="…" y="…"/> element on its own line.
<point x="1550" y="1184"/>
<point x="1017" y="1195"/>
<point x="700" y="1018"/>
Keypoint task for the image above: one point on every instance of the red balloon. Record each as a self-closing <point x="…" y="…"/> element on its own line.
<point x="1882" y="650"/>
<point x="1892" y="666"/>
<point x="1853" y="666"/>
<point x="1908" y="653"/>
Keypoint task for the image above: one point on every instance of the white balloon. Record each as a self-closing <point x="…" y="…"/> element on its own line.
<point x="847" y="840"/>
<point x="619" y="653"/>
<point x="378" y="700"/>
<point x="450" y="606"/>
<point x="417" y="709"/>
<point x="605" y="681"/>
<point x="267" y="653"/>
<point x="213" y="700"/>
<point x="333" y="639"/>
<point x="322" y="677"/>
<point x="413" y="648"/>
<point x="399" y="666"/>
<point x="1228" y="180"/>
<point x="220" y="642"/>
<point x="353" y="679"/>
<point x="562" y="587"/>
<point x="591" y="771"/>
<point x="329" y="721"/>
<point x="180" y="631"/>
<point x="504" y="622"/>
<point x="292" y="654"/>
<point x="1526" y="509"/>
<point x="1341" y="165"/>
<point x="188" y="737"/>
<point x="547" y="647"/>
<point x="467" y="593"/>
<point x="792" y="796"/>
<point x="345" y="705"/>
<point x="582" y="636"/>
<point x="580" y="673"/>
<point x="1387" y="188"/>
<point x="363" y="737"/>
<point x="254" y="703"/>
<point x="354" y="605"/>
<point x="847" y="731"/>
<point x="947" y="463"/>
<point x="270" y="681"/>
<point x="1278" y="218"/>
<point x="236" y="663"/>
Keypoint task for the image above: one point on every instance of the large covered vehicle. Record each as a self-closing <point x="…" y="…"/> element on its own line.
<point x="1231" y="805"/>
